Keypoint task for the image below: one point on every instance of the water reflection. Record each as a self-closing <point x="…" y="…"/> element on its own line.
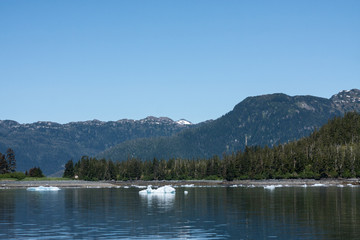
<point x="205" y="213"/>
<point x="162" y="201"/>
<point x="7" y="210"/>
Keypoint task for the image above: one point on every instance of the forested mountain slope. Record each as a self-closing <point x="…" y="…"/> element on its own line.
<point x="50" y="145"/>
<point x="261" y="120"/>
<point x="333" y="151"/>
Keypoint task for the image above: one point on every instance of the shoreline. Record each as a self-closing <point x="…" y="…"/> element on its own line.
<point x="10" y="184"/>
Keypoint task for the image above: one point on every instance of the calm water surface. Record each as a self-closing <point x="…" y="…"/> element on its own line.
<point x="204" y="213"/>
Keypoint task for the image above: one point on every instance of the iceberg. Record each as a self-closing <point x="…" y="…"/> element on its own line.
<point x="319" y="185"/>
<point x="160" y="190"/>
<point x="272" y="187"/>
<point x="43" y="189"/>
<point x="137" y="186"/>
<point x="163" y="197"/>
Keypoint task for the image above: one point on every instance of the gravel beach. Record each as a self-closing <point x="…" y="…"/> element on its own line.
<point x="114" y="184"/>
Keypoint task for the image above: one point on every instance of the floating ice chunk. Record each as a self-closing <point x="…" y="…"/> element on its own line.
<point x="137" y="186"/>
<point x="186" y="192"/>
<point x="163" y="197"/>
<point x="340" y="185"/>
<point x="165" y="189"/>
<point x="160" y="190"/>
<point x="272" y="187"/>
<point x="188" y="185"/>
<point x="43" y="189"/>
<point x="318" y="185"/>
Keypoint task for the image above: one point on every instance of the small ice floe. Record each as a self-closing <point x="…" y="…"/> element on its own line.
<point x="304" y="186"/>
<point x="188" y="185"/>
<point x="340" y="185"/>
<point x="350" y="185"/>
<point x="186" y="192"/>
<point x="163" y="197"/>
<point x="272" y="187"/>
<point x="234" y="185"/>
<point x="160" y="190"/>
<point x="43" y="189"/>
<point x="318" y="185"/>
<point x="137" y="186"/>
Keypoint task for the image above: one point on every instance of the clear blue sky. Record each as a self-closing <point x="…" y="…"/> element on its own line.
<point x="68" y="60"/>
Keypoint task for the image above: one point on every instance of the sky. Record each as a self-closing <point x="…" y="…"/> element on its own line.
<point x="66" y="60"/>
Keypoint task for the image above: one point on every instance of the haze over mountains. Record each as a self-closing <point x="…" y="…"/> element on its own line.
<point x="261" y="120"/>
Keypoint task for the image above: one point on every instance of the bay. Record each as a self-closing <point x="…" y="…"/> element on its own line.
<point x="204" y="213"/>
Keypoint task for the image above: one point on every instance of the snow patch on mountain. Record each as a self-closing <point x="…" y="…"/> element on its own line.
<point x="183" y="122"/>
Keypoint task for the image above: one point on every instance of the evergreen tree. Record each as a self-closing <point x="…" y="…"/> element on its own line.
<point x="10" y="157"/>
<point x="36" y="172"/>
<point x="3" y="164"/>
<point x="69" y="169"/>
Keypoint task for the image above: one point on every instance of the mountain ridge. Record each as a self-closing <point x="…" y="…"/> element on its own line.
<point x="50" y="145"/>
<point x="259" y="120"/>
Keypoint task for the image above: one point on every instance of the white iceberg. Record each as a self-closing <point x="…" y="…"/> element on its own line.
<point x="272" y="187"/>
<point x="163" y="197"/>
<point x="43" y="189"/>
<point x="319" y="185"/>
<point x="138" y="186"/>
<point x="160" y="190"/>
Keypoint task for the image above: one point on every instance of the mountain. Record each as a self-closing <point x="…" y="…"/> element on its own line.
<point x="50" y="145"/>
<point x="332" y="151"/>
<point x="261" y="120"/>
<point x="347" y="100"/>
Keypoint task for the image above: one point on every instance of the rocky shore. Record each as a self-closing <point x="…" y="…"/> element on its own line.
<point x="114" y="184"/>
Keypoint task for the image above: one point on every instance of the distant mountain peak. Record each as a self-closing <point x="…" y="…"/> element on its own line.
<point x="157" y="120"/>
<point x="349" y="96"/>
<point x="348" y="100"/>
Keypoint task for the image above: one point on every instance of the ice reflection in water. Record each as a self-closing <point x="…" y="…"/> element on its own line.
<point x="163" y="197"/>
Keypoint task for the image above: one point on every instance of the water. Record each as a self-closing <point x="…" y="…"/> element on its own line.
<point x="203" y="213"/>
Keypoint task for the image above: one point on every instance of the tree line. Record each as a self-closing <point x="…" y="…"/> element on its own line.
<point x="7" y="162"/>
<point x="8" y="167"/>
<point x="333" y="151"/>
